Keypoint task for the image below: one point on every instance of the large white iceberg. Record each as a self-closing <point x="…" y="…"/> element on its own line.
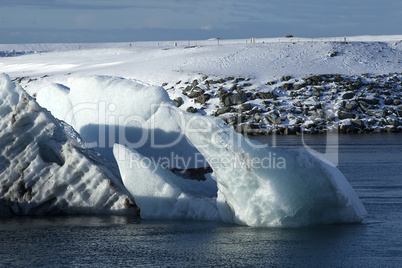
<point x="41" y="169"/>
<point x="252" y="184"/>
<point x="256" y="185"/>
<point x="106" y="110"/>
<point x="265" y="186"/>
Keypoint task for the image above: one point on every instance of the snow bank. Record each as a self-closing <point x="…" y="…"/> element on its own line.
<point x="107" y="110"/>
<point x="41" y="171"/>
<point x="266" y="186"/>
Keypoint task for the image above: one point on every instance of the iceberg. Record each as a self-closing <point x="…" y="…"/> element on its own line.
<point x="138" y="127"/>
<point x="42" y="171"/>
<point x="253" y="184"/>
<point x="163" y="195"/>
<point x="106" y="110"/>
<point x="265" y="186"/>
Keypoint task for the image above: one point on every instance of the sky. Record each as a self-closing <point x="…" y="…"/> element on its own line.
<point x="75" y="21"/>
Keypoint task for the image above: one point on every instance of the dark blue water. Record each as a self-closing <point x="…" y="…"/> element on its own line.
<point x="372" y="163"/>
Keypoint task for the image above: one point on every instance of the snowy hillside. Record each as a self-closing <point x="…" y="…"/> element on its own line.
<point x="369" y="71"/>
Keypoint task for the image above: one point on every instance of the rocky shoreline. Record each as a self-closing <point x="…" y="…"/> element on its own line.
<point x="290" y="105"/>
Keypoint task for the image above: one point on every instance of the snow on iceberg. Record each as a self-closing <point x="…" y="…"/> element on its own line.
<point x="265" y="186"/>
<point x="106" y="110"/>
<point x="41" y="170"/>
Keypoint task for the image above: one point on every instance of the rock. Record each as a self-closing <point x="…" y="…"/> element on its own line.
<point x="371" y="101"/>
<point x="245" y="107"/>
<point x="203" y="98"/>
<point x="345" y="115"/>
<point x="289" y="130"/>
<point x="285" y="78"/>
<point x="398" y="113"/>
<point x="195" y="83"/>
<point x="357" y="123"/>
<point x="267" y="95"/>
<point x="178" y="101"/>
<point x="246" y="128"/>
<point x="316" y="92"/>
<point x="191" y="109"/>
<point x="316" y="78"/>
<point x="297" y="86"/>
<point x="233" y="99"/>
<point x="371" y="121"/>
<point x="392" y="120"/>
<point x="351" y="105"/>
<point x="195" y="92"/>
<point x="333" y="53"/>
<point x="338" y="78"/>
<point x="223" y="110"/>
<point x="274" y="119"/>
<point x="388" y="101"/>
<point x="287" y="86"/>
<point x="330" y="116"/>
<point x="348" y="95"/>
<point x="363" y="107"/>
<point x="164" y="84"/>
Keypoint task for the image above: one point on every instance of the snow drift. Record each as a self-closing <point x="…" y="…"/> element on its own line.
<point x="41" y="170"/>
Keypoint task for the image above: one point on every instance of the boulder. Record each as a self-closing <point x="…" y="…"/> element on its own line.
<point x="348" y="95"/>
<point x="274" y="119"/>
<point x="223" y="110"/>
<point x="245" y="107"/>
<point x="267" y="95"/>
<point x="287" y="86"/>
<point x="203" y="98"/>
<point x="245" y="128"/>
<point x="191" y="109"/>
<point x="233" y="99"/>
<point x="345" y="115"/>
<point x="285" y="78"/>
<point x="351" y="105"/>
<point x="392" y="120"/>
<point x="388" y="101"/>
<point x="195" y="92"/>
<point x="178" y="101"/>
<point x="371" y="101"/>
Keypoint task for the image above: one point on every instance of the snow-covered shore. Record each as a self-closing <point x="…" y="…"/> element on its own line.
<point x="285" y="85"/>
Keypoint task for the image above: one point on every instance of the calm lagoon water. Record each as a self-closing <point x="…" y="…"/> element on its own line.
<point x="372" y="164"/>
